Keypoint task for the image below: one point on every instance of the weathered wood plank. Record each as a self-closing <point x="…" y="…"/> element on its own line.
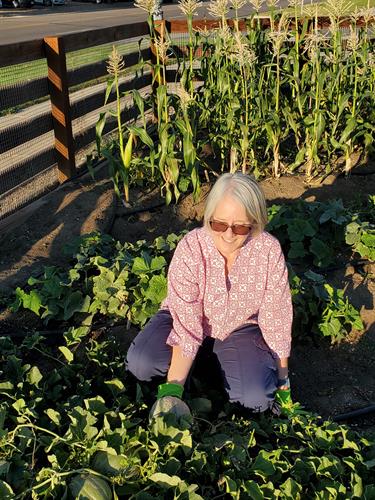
<point x="16" y="95"/>
<point x="99" y="69"/>
<point x="60" y="102"/>
<point x="93" y="37"/>
<point x="21" y="172"/>
<point x="18" y="134"/>
<point x="96" y="100"/>
<point x="181" y="25"/>
<point x="21" y="52"/>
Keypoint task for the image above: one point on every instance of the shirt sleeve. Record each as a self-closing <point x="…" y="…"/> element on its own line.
<point x="184" y="300"/>
<point x="275" y="315"/>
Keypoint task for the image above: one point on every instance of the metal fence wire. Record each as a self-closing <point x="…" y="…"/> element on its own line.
<point x="27" y="161"/>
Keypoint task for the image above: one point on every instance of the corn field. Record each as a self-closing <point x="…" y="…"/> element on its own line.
<point x="293" y="98"/>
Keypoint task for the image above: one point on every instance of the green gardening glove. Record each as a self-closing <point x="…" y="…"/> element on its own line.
<point x="168" y="400"/>
<point x="284" y="405"/>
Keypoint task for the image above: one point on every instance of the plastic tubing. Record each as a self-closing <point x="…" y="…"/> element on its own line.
<point x="356" y="413"/>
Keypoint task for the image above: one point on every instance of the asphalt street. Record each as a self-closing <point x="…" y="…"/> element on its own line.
<point x="37" y="22"/>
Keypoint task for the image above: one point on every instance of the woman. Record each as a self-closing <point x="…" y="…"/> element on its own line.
<point x="227" y="280"/>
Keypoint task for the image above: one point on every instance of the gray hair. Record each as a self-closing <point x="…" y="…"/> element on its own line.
<point x="244" y="190"/>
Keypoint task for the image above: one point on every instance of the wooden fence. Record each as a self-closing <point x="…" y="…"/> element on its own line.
<point x="58" y="87"/>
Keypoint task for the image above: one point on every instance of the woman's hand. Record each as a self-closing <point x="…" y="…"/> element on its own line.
<point x="282" y="368"/>
<point x="169" y="401"/>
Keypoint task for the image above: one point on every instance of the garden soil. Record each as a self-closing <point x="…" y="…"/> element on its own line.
<point x="329" y="380"/>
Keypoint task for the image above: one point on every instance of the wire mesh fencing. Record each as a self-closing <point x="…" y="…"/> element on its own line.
<point x="27" y="160"/>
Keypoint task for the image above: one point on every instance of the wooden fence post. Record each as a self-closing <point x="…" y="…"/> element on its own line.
<point x="59" y="92"/>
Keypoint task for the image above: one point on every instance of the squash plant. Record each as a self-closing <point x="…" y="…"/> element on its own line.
<point x="113" y="282"/>
<point x="81" y="428"/>
<point x="107" y="279"/>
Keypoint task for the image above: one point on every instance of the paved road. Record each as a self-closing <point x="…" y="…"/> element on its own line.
<point x="30" y="24"/>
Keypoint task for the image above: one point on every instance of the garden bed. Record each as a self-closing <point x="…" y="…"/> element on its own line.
<point x="326" y="379"/>
<point x="71" y="412"/>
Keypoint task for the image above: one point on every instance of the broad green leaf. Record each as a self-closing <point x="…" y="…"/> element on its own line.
<point x="158" y="263"/>
<point x="6" y="492"/>
<point x="73" y="303"/>
<point x="369" y="492"/>
<point x="157" y="289"/>
<point x="6" y="387"/>
<point x="349" y="443"/>
<point x="19" y="405"/>
<point x="34" y="376"/>
<point x="32" y="301"/>
<point x="330" y="467"/>
<point x="368" y="240"/>
<point x="252" y="489"/>
<point x="335" y="212"/>
<point x="262" y="466"/>
<point x="323" y="253"/>
<point x="299" y="228"/>
<point x="171" y="467"/>
<point x="54" y="415"/>
<point x="200" y="405"/>
<point x="4" y="468"/>
<point x="67" y="353"/>
<point x="115" y="385"/>
<point x="356" y="485"/>
<point x="291" y="489"/>
<point x="333" y="329"/>
<point x="302" y="471"/>
<point x="362" y="249"/>
<point x="96" y="405"/>
<point x="165" y="480"/>
<point x="315" y="277"/>
<point x="297" y="250"/>
<point x="230" y="486"/>
<point x="370" y="464"/>
<point x="140" y="266"/>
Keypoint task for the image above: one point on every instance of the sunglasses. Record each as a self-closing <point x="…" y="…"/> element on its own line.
<point x="221" y="227"/>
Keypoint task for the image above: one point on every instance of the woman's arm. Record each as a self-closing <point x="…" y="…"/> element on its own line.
<point x="180" y="366"/>
<point x="276" y="312"/>
<point x="282" y="370"/>
<point x="184" y="299"/>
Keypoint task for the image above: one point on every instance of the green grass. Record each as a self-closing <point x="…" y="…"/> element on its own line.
<point x="20" y="73"/>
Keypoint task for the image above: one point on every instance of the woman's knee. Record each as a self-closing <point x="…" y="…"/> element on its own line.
<point x="148" y="355"/>
<point x="139" y="362"/>
<point x="253" y="398"/>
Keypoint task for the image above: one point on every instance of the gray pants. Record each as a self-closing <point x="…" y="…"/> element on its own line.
<point x="248" y="367"/>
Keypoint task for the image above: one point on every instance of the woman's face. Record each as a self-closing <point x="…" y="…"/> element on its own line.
<point x="232" y="212"/>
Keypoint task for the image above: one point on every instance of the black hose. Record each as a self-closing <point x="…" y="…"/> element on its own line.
<point x="136" y="210"/>
<point x="356" y="413"/>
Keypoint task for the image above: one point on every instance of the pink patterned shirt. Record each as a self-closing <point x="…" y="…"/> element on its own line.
<point x="204" y="302"/>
